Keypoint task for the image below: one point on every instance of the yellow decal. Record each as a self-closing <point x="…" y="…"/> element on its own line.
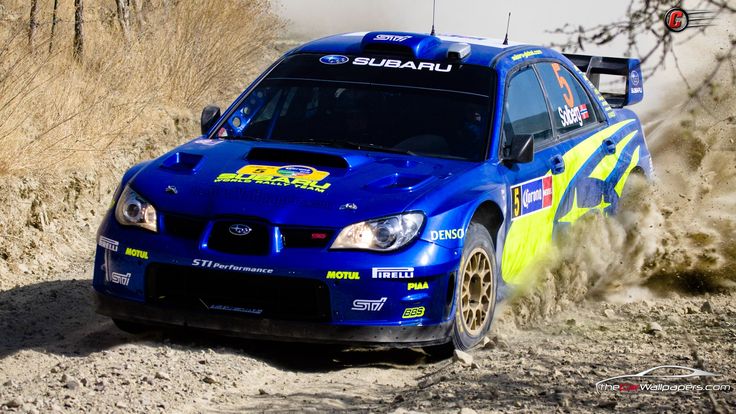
<point x="289" y="171"/>
<point x="413" y="312"/>
<point x="634" y="161"/>
<point x="417" y="286"/>
<point x="343" y="275"/>
<point x="524" y="55"/>
<point x="297" y="176"/>
<point x="136" y="253"/>
<point x="576" y="212"/>
<point x="607" y="165"/>
<point x="529" y="236"/>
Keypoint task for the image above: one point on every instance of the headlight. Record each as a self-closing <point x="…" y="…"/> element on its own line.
<point x="134" y="210"/>
<point x="384" y="234"/>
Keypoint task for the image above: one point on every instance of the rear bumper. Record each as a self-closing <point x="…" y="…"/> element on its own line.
<point x="249" y="327"/>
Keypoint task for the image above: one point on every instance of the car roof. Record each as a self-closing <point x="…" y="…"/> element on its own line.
<point x="483" y="51"/>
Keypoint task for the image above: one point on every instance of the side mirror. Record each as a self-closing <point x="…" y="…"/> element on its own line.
<point x="210" y="115"/>
<point x="522" y="149"/>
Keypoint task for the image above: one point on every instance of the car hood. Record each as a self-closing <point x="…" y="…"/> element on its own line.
<point x="289" y="184"/>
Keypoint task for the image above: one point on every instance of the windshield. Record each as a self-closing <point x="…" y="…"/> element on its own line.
<point x="437" y="112"/>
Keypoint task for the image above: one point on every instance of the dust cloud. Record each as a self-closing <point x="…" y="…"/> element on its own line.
<point x="675" y="234"/>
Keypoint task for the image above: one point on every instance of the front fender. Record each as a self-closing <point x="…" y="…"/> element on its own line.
<point x="448" y="227"/>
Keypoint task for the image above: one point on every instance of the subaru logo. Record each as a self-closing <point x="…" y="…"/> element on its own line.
<point x="334" y="59"/>
<point x="635" y="78"/>
<point x="239" y="230"/>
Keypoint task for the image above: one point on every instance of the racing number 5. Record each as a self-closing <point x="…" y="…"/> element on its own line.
<point x="569" y="99"/>
<point x="516" y="201"/>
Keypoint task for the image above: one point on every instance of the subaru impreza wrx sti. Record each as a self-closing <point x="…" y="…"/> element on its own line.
<point x="371" y="188"/>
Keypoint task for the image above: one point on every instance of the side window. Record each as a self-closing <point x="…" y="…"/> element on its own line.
<point x="525" y="110"/>
<point x="570" y="104"/>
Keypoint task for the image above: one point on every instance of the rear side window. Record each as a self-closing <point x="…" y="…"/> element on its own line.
<point x="525" y="110"/>
<point x="571" y="107"/>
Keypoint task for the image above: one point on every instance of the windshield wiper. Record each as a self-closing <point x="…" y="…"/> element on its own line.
<point x="350" y="145"/>
<point x="247" y="138"/>
<point x="374" y="147"/>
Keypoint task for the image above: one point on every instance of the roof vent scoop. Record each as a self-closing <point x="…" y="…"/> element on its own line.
<point x="458" y="51"/>
<point x="400" y="43"/>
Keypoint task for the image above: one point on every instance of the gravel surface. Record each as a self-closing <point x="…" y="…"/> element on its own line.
<point x="56" y="354"/>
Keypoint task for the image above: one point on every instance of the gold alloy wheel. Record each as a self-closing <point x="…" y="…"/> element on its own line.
<point x="477" y="290"/>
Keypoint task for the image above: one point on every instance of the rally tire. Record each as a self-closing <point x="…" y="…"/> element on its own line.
<point x="475" y="290"/>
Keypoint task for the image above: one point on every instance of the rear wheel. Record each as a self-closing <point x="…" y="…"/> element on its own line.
<point x="130" y="327"/>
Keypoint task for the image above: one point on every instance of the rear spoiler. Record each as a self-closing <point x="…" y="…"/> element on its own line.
<point x="630" y="69"/>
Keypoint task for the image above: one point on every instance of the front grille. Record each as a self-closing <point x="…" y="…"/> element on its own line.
<point x="257" y="241"/>
<point x="306" y="237"/>
<point x="249" y="295"/>
<point x="183" y="226"/>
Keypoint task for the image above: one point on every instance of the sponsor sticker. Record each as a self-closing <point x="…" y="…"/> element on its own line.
<point x="209" y="264"/>
<point x="575" y="115"/>
<point x="584" y="111"/>
<point x="368" y="305"/>
<point x="120" y="278"/>
<point x="526" y="54"/>
<point x="409" y="313"/>
<point x="531" y="196"/>
<point x="417" y="286"/>
<point x="108" y="244"/>
<point x="141" y="254"/>
<point x="250" y="311"/>
<point x="399" y="64"/>
<point x="393" y="273"/>
<point x="343" y="275"/>
<point x="297" y="176"/>
<point x="453" y="234"/>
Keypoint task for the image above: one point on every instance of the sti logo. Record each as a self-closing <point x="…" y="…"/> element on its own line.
<point x="531" y="196"/>
<point x="368" y="305"/>
<point x="391" y="38"/>
<point x="119" y="278"/>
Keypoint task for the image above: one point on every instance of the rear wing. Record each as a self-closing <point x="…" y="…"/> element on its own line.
<point x="629" y="69"/>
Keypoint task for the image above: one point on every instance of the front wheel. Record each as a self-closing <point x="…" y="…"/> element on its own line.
<point x="475" y="292"/>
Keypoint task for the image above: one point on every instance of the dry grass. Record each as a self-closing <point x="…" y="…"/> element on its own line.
<point x="56" y="113"/>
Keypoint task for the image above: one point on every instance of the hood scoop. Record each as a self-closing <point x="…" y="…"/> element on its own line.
<point x="400" y="182"/>
<point x="297" y="157"/>
<point x="182" y="162"/>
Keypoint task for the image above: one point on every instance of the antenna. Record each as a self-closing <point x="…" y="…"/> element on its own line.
<point x="508" y="22"/>
<point x="434" y="11"/>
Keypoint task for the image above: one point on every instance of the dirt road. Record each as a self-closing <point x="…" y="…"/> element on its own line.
<point x="57" y="355"/>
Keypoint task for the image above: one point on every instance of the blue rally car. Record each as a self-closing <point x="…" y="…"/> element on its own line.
<point x="371" y="188"/>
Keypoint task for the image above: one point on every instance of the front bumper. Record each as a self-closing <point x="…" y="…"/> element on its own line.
<point x="294" y="292"/>
<point x="248" y="327"/>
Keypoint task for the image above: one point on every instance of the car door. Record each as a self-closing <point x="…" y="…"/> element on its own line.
<point x="531" y="187"/>
<point x="590" y="151"/>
